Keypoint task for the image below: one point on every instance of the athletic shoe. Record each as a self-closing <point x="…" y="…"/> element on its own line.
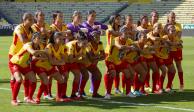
<point x="14" y="103"/>
<point x="48" y="97"/>
<point x="74" y="97"/>
<point x="37" y="100"/>
<point x="137" y="93"/>
<point x="132" y="89"/>
<point x="118" y="92"/>
<point x="107" y="96"/>
<point x="18" y="100"/>
<point x="97" y="96"/>
<point x="31" y="101"/>
<point x="26" y="99"/>
<point x="169" y="90"/>
<point x="131" y="95"/>
<point x="59" y="99"/>
<point x="148" y="89"/>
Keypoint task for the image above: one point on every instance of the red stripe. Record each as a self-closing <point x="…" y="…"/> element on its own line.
<point x="15" y="39"/>
<point x="22" y="53"/>
<point x="109" y="37"/>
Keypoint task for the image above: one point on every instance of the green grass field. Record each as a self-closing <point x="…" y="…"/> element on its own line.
<point x="178" y="102"/>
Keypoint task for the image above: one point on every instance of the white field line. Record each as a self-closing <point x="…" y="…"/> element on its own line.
<point x="128" y="103"/>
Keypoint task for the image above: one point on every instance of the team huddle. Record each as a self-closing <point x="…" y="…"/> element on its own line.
<point x="53" y="51"/>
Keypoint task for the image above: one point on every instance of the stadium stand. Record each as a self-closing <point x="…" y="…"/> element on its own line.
<point x="15" y="10"/>
<point x="183" y="10"/>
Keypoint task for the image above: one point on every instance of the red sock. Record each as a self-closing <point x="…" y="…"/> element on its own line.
<point x="142" y="87"/>
<point x="123" y="80"/>
<point x="136" y="82"/>
<point x="170" y="79"/>
<point x="181" y="78"/>
<point x="32" y="88"/>
<point x="41" y="89"/>
<point x="75" y="87"/>
<point x="155" y="78"/>
<point x="48" y="92"/>
<point x="147" y="79"/>
<point x="128" y="86"/>
<point x="161" y="82"/>
<point x="16" y="90"/>
<point x="64" y="89"/>
<point x="82" y="85"/>
<point x="96" y="86"/>
<point x="117" y="81"/>
<point x="12" y="82"/>
<point x="108" y="80"/>
<point x="59" y="89"/>
<point x="26" y="87"/>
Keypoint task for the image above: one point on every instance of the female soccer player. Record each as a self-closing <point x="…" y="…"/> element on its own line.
<point x="59" y="26"/>
<point x="175" y="44"/>
<point x="143" y="24"/>
<point x="55" y="50"/>
<point x="111" y="33"/>
<point x="41" y="26"/>
<point x="91" y="24"/>
<point x="177" y="55"/>
<point x="96" y="53"/>
<point x="161" y="52"/>
<point x="115" y="64"/>
<point x="21" y="35"/>
<point x="77" y="55"/>
<point x="75" y="25"/>
<point x="133" y="58"/>
<point x="21" y="66"/>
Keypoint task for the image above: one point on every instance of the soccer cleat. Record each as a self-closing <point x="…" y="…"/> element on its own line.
<point x="18" y="100"/>
<point x="157" y="92"/>
<point x="14" y="103"/>
<point x="59" y="99"/>
<point x="74" y="97"/>
<point x="132" y="89"/>
<point x="66" y="99"/>
<point x="37" y="100"/>
<point x="31" y="101"/>
<point x="148" y="89"/>
<point x="168" y="90"/>
<point x="107" y="96"/>
<point x="144" y="93"/>
<point x="97" y="96"/>
<point x="181" y="89"/>
<point x="26" y="99"/>
<point x="48" y="97"/>
<point x="118" y="92"/>
<point x="131" y="95"/>
<point x="137" y="93"/>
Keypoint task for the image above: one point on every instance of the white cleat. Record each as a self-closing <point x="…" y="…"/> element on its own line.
<point x="131" y="95"/>
<point x="107" y="96"/>
<point x="48" y="97"/>
<point x="18" y="100"/>
<point x="118" y="92"/>
<point x="26" y="99"/>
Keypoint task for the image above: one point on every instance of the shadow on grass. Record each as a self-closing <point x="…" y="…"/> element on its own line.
<point x="132" y="103"/>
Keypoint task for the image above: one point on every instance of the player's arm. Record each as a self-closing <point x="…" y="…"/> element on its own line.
<point x="22" y="38"/>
